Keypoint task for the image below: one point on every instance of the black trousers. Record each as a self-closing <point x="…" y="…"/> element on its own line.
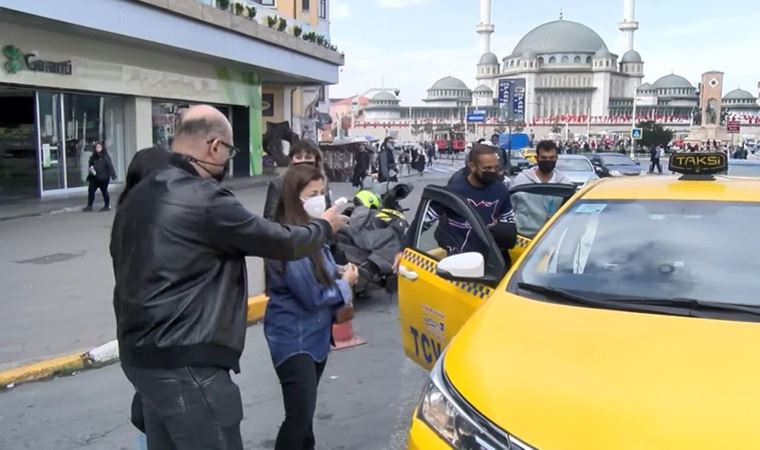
<point x="189" y="408"/>
<point x="655" y="163"/>
<point x="94" y="186"/>
<point x="299" y="377"/>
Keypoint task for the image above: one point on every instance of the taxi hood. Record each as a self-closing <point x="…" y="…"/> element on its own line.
<point x="568" y="377"/>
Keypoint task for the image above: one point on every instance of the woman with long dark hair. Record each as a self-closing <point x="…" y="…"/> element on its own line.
<point x="304" y="297"/>
<point x="101" y="172"/>
<point x="302" y="152"/>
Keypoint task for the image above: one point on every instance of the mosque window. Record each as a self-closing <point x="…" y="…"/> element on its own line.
<point x="552" y="60"/>
<point x="607" y="63"/>
<point x="577" y="60"/>
<point x="541" y="61"/>
<point x="565" y="59"/>
<point x="588" y="60"/>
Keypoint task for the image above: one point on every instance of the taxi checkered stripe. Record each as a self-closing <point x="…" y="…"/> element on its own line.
<point x="428" y="265"/>
<point x="522" y="242"/>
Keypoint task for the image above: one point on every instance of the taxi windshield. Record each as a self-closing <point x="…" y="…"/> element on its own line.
<point x="656" y="250"/>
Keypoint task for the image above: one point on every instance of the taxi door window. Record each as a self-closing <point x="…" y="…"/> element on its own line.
<point x="444" y="232"/>
<point x="533" y="210"/>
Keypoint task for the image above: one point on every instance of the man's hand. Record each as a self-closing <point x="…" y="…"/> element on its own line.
<point x="351" y="274"/>
<point x="397" y="261"/>
<point x="335" y="218"/>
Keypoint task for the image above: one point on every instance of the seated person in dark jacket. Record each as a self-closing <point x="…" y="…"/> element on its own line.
<point x="302" y="152"/>
<point x="178" y="243"/>
<point x="482" y="189"/>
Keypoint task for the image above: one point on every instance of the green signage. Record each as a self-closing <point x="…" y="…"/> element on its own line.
<point x="18" y="61"/>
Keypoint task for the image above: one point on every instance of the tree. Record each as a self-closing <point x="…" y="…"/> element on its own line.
<point x="654" y="134"/>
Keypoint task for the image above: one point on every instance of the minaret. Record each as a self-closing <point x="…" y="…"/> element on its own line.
<point x="485" y="27"/>
<point x="629" y="25"/>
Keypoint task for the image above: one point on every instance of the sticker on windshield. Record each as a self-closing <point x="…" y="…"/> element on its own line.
<point x="590" y="208"/>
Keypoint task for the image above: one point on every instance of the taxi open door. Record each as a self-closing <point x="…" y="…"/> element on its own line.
<point x="454" y="264"/>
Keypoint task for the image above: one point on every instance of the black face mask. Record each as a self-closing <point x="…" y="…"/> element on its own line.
<point x="217" y="176"/>
<point x="307" y="163"/>
<point x="547" y="167"/>
<point x="488" y="178"/>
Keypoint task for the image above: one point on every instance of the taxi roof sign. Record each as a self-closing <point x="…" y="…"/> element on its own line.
<point x="698" y="163"/>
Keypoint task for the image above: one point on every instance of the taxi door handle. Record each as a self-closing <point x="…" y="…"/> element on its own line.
<point x="406" y="273"/>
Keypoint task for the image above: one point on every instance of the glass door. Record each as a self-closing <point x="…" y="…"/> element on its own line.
<point x="52" y="161"/>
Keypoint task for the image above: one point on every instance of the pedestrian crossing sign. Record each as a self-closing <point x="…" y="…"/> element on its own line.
<point x="637" y="133"/>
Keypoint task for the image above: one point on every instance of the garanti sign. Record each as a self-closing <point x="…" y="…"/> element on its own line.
<point x="16" y="61"/>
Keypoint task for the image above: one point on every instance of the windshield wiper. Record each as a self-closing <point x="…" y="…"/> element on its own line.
<point x="693" y="304"/>
<point x="568" y="297"/>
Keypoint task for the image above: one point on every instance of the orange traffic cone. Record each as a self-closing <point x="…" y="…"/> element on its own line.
<point x="344" y="337"/>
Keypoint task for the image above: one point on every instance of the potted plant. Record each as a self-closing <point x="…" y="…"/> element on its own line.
<point x="320" y="39"/>
<point x="297" y="30"/>
<point x="224" y="5"/>
<point x="283" y="24"/>
<point x="272" y="21"/>
<point x="239" y="9"/>
<point x="250" y="12"/>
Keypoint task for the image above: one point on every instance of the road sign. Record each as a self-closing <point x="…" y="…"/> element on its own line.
<point x="637" y="133"/>
<point x="734" y="126"/>
<point x="476" y="117"/>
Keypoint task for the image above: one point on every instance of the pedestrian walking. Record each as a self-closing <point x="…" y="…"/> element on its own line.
<point x="178" y="244"/>
<point x="430" y="153"/>
<point x="305" y="298"/>
<point x="654" y="159"/>
<point x="306" y="152"/>
<point x="101" y="172"/>
<point x="387" y="170"/>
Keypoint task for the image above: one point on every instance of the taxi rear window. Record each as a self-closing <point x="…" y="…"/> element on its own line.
<point x="653" y="249"/>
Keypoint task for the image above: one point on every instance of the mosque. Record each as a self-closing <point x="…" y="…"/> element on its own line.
<point x="560" y="72"/>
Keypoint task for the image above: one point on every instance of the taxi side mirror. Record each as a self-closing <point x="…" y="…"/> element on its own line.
<point x="598" y="170"/>
<point x="464" y="266"/>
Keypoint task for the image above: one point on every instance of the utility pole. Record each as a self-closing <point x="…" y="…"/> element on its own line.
<point x="633" y="126"/>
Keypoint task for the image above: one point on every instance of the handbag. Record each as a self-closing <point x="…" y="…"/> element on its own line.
<point x="344" y="314"/>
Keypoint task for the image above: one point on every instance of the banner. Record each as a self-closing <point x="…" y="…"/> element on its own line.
<point x="512" y="99"/>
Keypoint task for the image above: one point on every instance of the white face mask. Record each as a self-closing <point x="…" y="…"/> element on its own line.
<point x="315" y="206"/>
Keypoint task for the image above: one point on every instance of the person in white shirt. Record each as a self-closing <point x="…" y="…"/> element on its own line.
<point x="533" y="211"/>
<point x="545" y="170"/>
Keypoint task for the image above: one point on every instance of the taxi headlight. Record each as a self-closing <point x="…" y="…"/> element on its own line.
<point x="456" y="423"/>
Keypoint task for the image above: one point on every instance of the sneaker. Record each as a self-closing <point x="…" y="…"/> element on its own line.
<point x="105" y="208"/>
<point x="87" y="208"/>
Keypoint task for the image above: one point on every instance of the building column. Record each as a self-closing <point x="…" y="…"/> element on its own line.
<point x="138" y="125"/>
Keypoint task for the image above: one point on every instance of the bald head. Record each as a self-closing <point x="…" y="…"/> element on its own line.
<point x="205" y="134"/>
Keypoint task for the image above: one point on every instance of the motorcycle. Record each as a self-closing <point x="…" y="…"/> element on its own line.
<point x="374" y="236"/>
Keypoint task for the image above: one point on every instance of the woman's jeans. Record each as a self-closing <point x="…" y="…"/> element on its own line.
<point x="94" y="186"/>
<point x="299" y="377"/>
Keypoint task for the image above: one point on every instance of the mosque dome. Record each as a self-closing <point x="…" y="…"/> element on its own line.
<point x="560" y="36"/>
<point x="489" y="58"/>
<point x="631" y="56"/>
<point x="739" y="94"/>
<point x="672" y="82"/>
<point x="449" y="83"/>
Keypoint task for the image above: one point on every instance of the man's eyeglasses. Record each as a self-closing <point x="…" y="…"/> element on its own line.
<point x="233" y="150"/>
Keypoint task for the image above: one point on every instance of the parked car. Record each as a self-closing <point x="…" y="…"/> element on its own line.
<point x="744" y="168"/>
<point x="517" y="162"/>
<point x="615" y="165"/>
<point x="577" y="168"/>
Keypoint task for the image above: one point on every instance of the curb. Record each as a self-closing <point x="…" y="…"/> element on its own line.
<point x="105" y="354"/>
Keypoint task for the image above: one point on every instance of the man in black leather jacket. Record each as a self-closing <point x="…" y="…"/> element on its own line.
<point x="178" y="244"/>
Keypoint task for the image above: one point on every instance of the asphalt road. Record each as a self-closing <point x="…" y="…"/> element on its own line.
<point x="365" y="400"/>
<point x="57" y="278"/>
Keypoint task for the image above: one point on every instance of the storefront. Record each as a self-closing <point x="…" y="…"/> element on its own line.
<point x="61" y="93"/>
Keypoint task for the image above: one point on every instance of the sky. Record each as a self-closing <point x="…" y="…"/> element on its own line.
<point x="409" y="44"/>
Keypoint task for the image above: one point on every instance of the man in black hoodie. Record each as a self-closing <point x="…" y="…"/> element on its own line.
<point x="178" y="244"/>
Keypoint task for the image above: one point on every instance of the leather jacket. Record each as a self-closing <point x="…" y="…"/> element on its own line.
<point x="178" y="244"/>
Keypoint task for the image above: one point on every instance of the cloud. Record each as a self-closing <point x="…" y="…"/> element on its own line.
<point x="340" y="10"/>
<point x="401" y="3"/>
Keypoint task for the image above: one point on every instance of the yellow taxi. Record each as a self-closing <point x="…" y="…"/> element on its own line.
<point x="630" y="320"/>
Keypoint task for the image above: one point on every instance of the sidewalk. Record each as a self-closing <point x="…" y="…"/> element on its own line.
<point x="57" y="278"/>
<point x="58" y="204"/>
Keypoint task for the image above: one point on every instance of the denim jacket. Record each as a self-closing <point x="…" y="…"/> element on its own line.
<point x="299" y="314"/>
